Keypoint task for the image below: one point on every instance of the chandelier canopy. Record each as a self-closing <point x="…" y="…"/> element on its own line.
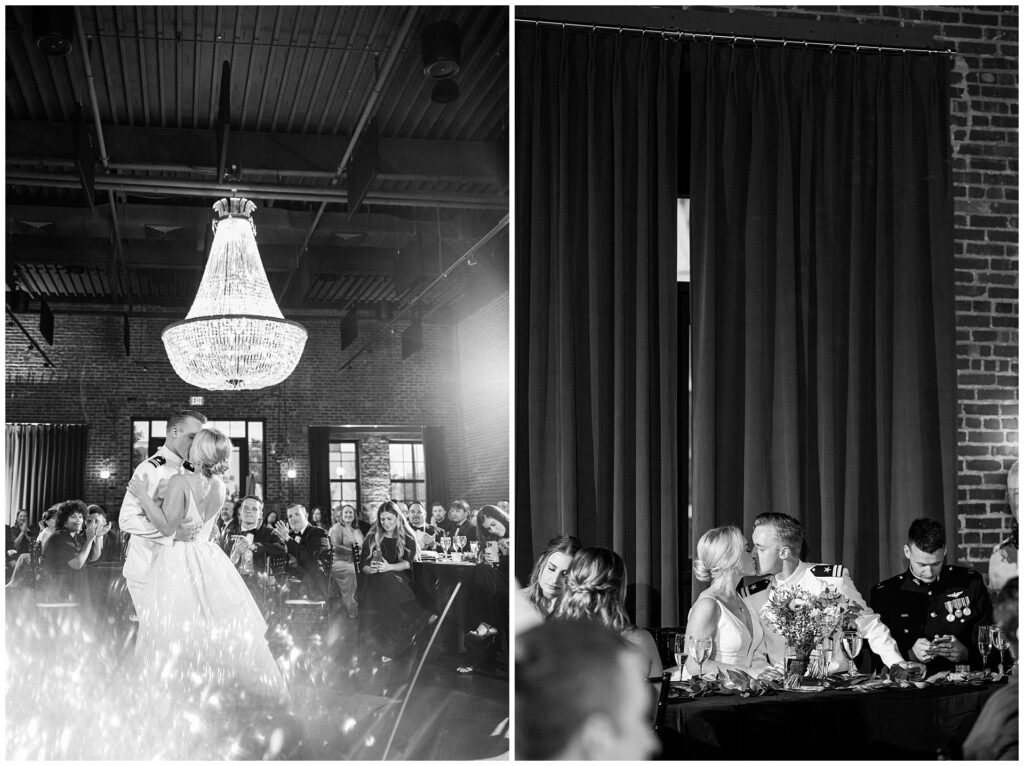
<point x="234" y="336"/>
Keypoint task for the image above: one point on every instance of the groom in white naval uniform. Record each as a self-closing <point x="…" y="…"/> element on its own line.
<point x="777" y="539"/>
<point x="182" y="428"/>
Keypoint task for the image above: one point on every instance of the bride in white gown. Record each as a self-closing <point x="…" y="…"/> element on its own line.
<point x="204" y="625"/>
<point x="737" y="638"/>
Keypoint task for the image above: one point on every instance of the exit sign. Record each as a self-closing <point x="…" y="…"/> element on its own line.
<point x="195" y="401"/>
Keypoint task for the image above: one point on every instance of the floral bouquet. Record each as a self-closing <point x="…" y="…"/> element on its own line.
<point x="806" y="620"/>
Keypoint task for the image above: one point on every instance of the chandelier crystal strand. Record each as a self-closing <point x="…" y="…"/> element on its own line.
<point x="234" y="337"/>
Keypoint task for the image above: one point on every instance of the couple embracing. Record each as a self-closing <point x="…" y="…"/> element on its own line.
<point x="729" y="610"/>
<point x="196" y="616"/>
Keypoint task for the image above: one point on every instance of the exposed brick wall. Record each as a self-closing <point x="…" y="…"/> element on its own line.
<point x="482" y="349"/>
<point x="95" y="383"/>
<point x="983" y="110"/>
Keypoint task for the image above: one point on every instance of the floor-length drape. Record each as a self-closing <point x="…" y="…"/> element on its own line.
<point x="436" y="464"/>
<point x="320" y="471"/>
<point x="45" y="465"/>
<point x="596" y="151"/>
<point x="824" y="348"/>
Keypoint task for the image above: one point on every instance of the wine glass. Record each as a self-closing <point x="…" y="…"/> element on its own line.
<point x="700" y="650"/>
<point x="984" y="643"/>
<point x="679" y="650"/>
<point x="446" y="544"/>
<point x="852" y="643"/>
<point x="460" y="542"/>
<point x="998" y="639"/>
<point x="474" y="548"/>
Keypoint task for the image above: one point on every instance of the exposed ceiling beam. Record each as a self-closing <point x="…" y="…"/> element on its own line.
<point x="269" y="154"/>
<point x="161" y="254"/>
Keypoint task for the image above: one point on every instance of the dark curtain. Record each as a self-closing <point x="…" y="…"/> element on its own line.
<point x="596" y="153"/>
<point x="434" y="460"/>
<point x="823" y="326"/>
<point x="45" y="465"/>
<point x="320" y="470"/>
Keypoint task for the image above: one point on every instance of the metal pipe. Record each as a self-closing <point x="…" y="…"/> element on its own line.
<point x="31" y="340"/>
<point x="444" y="275"/>
<point x="364" y="119"/>
<point x="711" y="37"/>
<point x="91" y="81"/>
<point x="185" y="188"/>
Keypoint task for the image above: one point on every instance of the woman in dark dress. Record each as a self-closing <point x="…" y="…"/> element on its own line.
<point x="388" y="605"/>
<point x="65" y="554"/>
<point x="487" y="604"/>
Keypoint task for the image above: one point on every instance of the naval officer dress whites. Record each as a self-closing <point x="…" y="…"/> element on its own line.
<point x="953" y="604"/>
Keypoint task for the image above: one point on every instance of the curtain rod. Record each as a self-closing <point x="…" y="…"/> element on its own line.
<point x="711" y="37"/>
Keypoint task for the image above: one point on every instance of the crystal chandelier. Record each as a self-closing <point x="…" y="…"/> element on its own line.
<point x="234" y="336"/>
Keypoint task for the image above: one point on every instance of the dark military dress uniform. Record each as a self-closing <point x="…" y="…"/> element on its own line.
<point x="952" y="605"/>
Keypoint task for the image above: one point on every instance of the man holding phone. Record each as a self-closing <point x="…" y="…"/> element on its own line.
<point x="933" y="608"/>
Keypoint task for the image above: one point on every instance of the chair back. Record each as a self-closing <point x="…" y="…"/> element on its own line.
<point x="277" y="563"/>
<point x="326" y="559"/>
<point x="664" y="639"/>
<point x="663" y="683"/>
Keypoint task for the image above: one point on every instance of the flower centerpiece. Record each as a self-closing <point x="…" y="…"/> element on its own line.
<point x="806" y="620"/>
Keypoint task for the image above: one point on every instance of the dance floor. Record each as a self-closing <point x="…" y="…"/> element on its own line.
<point x="66" y="683"/>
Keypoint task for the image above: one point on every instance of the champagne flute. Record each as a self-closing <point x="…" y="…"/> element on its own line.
<point x="700" y="650"/>
<point x="679" y="649"/>
<point x="998" y="639"/>
<point x="852" y="643"/>
<point x="984" y="644"/>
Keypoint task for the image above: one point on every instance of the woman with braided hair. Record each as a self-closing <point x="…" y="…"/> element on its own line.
<point x="595" y="589"/>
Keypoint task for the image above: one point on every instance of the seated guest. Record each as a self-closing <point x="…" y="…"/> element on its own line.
<point x="65" y="555"/>
<point x="933" y="609"/>
<point x="548" y="573"/>
<point x="581" y="695"/>
<point x="595" y="589"/>
<point x="316" y="517"/>
<point x="248" y="543"/>
<point x="487" y="604"/>
<point x="426" y="534"/>
<point x="504" y="506"/>
<point x="995" y="735"/>
<point x="271" y="520"/>
<point x="228" y="513"/>
<point x="439" y="518"/>
<point x="458" y="520"/>
<point x="737" y="639"/>
<point x="305" y="543"/>
<point x="344" y="535"/>
<point x="47" y="525"/>
<point x="388" y="604"/>
<point x="105" y="542"/>
<point x="367" y="517"/>
<point x="19" y="536"/>
<point x="1002" y="566"/>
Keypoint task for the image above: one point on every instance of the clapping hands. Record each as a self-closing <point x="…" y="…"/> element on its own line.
<point x="282" y="530"/>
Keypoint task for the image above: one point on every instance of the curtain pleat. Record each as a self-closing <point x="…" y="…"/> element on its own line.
<point x="824" y="336"/>
<point x="45" y="465"/>
<point x="320" y="470"/>
<point x="596" y="345"/>
<point x="436" y="464"/>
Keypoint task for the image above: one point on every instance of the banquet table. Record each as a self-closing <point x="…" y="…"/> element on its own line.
<point x="438" y="579"/>
<point x="907" y="723"/>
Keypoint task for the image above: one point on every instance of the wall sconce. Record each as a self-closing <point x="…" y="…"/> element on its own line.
<point x="105" y="476"/>
<point x="291" y="474"/>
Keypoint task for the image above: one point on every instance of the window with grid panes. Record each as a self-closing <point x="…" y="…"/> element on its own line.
<point x="344" y="466"/>
<point x="408" y="475"/>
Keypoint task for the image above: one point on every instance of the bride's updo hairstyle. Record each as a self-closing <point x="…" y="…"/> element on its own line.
<point x="595" y="589"/>
<point x="719" y="550"/>
<point x="210" y="451"/>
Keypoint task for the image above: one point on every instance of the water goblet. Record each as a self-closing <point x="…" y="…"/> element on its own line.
<point x="460" y="542"/>
<point x="851" y="643"/>
<point x="700" y="650"/>
<point x="446" y="544"/>
<point x="679" y="650"/>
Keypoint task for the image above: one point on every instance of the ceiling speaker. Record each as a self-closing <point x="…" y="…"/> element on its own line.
<point x="53" y="28"/>
<point x="442" y="56"/>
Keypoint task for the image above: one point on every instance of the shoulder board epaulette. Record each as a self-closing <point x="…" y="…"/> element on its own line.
<point x="157" y="460"/>
<point x="750" y="588"/>
<point x="188" y="466"/>
<point x="827" y="570"/>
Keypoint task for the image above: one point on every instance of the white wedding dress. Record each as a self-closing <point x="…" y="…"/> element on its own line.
<point x="204" y="626"/>
<point x="736" y="646"/>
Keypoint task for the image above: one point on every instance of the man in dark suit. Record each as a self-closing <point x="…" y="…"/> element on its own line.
<point x="305" y="543"/>
<point x="458" y="513"/>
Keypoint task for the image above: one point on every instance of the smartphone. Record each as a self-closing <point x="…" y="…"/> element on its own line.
<point x="377" y="557"/>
